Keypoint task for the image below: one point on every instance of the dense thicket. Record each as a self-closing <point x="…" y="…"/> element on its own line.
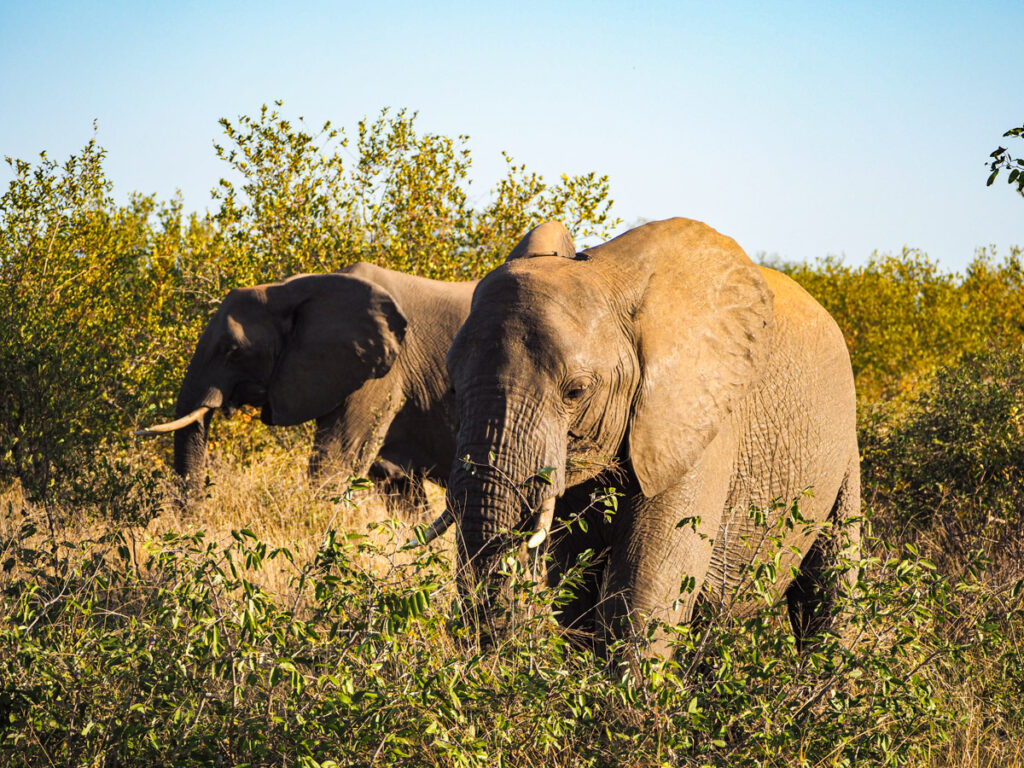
<point x="125" y="640"/>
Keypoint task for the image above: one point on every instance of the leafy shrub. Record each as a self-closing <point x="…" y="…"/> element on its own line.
<point x="403" y="203"/>
<point x="85" y="288"/>
<point x="178" y="656"/>
<point x="955" y="456"/>
<point x="903" y="317"/>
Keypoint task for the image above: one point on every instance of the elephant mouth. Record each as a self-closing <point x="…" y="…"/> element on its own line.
<point x="247" y="393"/>
<point x="585" y="459"/>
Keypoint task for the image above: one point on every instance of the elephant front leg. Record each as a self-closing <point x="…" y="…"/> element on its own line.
<point x="661" y="556"/>
<point x="349" y="437"/>
<point x="326" y="446"/>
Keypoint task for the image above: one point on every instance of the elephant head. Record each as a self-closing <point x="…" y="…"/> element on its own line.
<point x="297" y="349"/>
<point x="631" y="355"/>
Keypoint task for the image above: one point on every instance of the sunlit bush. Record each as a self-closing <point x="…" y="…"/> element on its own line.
<point x="87" y="303"/>
<point x="904" y="317"/>
<point x="172" y="652"/>
<point x="954" y="457"/>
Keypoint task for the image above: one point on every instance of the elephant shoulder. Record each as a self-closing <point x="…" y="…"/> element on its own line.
<point x="367" y="271"/>
<point x="414" y="288"/>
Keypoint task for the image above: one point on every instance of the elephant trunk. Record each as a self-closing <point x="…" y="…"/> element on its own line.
<point x="190" y="440"/>
<point x="507" y="473"/>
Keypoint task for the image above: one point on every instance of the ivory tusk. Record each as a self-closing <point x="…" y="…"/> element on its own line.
<point x="170" y="426"/>
<point x="544" y="520"/>
<point x="435" y="529"/>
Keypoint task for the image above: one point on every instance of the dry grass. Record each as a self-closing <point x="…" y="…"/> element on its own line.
<point x="272" y="496"/>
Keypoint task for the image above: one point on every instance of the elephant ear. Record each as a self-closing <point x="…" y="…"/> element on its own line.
<point x="548" y="239"/>
<point x="344" y="331"/>
<point x="703" y="327"/>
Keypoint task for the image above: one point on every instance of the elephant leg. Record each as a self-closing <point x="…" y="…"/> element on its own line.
<point x="401" y="486"/>
<point x="828" y="571"/>
<point x="326" y="447"/>
<point x="807" y="596"/>
<point x="663" y="547"/>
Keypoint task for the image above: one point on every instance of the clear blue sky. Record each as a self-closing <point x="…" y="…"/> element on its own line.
<point x="799" y="128"/>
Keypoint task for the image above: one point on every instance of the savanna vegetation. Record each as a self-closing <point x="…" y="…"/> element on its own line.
<point x="274" y="622"/>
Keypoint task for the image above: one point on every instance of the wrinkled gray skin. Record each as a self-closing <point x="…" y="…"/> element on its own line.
<point x="664" y="363"/>
<point x="361" y="351"/>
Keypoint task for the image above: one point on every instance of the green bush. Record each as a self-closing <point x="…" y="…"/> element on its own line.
<point x="403" y="203"/>
<point x="903" y="317"/>
<point x="84" y="318"/>
<point x="954" y="457"/>
<point x="177" y="656"/>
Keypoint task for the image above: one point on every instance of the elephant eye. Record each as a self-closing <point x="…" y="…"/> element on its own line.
<point x="577" y="389"/>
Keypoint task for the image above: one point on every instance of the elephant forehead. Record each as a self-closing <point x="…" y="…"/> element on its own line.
<point x="543" y="289"/>
<point x="250" y="326"/>
<point x="532" y="345"/>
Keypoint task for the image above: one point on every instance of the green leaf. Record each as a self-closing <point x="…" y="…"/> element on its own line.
<point x="545" y="474"/>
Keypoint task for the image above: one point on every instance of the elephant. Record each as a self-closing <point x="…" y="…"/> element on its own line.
<point x="361" y="351"/>
<point x="701" y="386"/>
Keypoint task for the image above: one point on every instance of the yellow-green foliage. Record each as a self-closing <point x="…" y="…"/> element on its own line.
<point x="86" y="316"/>
<point x="953" y="458"/>
<point x="196" y="649"/>
<point x="904" y="317"/>
<point x="403" y="202"/>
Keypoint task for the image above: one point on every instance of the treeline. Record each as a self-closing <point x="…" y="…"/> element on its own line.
<point x="904" y="317"/>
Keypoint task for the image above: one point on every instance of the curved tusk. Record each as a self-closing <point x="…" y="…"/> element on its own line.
<point x="170" y="426"/>
<point x="544" y="520"/>
<point x="435" y="529"/>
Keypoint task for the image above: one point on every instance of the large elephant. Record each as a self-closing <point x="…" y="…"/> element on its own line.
<point x="361" y="351"/>
<point x="667" y="364"/>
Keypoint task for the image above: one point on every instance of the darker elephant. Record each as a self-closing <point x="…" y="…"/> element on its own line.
<point x="361" y="351"/>
<point x="669" y="365"/>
